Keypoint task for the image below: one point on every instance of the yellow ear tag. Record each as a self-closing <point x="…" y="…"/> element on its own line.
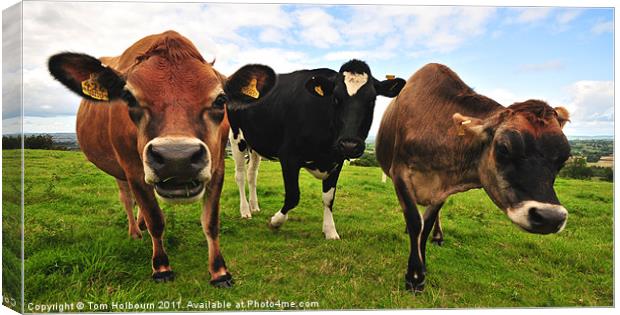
<point x="92" y="88"/>
<point x="390" y="76"/>
<point x="251" y="90"/>
<point x="319" y="90"/>
<point x="462" y="127"/>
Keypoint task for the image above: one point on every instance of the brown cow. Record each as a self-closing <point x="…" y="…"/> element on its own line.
<point x="439" y="137"/>
<point x="154" y="118"/>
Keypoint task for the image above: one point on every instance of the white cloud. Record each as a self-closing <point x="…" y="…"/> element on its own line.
<point x="45" y="124"/>
<point x="590" y="104"/>
<point x="57" y="27"/>
<point x="272" y="35"/>
<point x="279" y="59"/>
<point x="424" y="28"/>
<point x="502" y="96"/>
<point x="380" y="106"/>
<point x="568" y="16"/>
<point x="11" y="63"/>
<point x="387" y="50"/>
<point x="530" y="15"/>
<point x="591" y="101"/>
<point x="603" y="27"/>
<point x="318" y="27"/>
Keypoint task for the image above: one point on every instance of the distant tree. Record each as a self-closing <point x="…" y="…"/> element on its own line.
<point x="366" y="160"/>
<point x="604" y="173"/>
<point x="41" y="142"/>
<point x="577" y="168"/>
<point x="11" y="142"/>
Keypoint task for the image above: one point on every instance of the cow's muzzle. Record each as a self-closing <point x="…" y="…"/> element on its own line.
<point x="178" y="167"/>
<point x="351" y="148"/>
<point x="540" y="218"/>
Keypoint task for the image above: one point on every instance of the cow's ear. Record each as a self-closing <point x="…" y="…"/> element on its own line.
<point x="249" y="83"/>
<point x="466" y="125"/>
<point x="320" y="86"/>
<point x="563" y="116"/>
<point x="87" y="77"/>
<point x="390" y="87"/>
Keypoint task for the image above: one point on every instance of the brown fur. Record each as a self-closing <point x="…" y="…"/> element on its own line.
<point x="420" y="147"/>
<point x="168" y="74"/>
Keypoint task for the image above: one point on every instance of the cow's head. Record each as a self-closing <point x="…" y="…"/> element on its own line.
<point x="353" y="91"/>
<point x="523" y="149"/>
<point x="176" y="101"/>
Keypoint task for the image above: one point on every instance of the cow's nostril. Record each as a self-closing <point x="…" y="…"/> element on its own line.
<point x="154" y="156"/>
<point x="535" y="216"/>
<point x="199" y="156"/>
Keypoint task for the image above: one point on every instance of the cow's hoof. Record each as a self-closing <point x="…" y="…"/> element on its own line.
<point x="272" y="226"/>
<point x="254" y="209"/>
<point x="331" y="235"/>
<point x="246" y="215"/>
<point x="225" y="281"/>
<point x="277" y="220"/>
<point x="163" y="276"/>
<point x="437" y="242"/>
<point x="413" y="287"/>
<point x="135" y="233"/>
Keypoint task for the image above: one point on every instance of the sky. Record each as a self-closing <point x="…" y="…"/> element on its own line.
<point x="563" y="56"/>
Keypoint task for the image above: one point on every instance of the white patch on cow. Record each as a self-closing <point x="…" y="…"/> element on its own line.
<point x="317" y="173"/>
<point x="239" y="158"/>
<point x="252" y="175"/>
<point x="329" y="227"/>
<point x="520" y="214"/>
<point x="245" y="208"/>
<point x="149" y="175"/>
<point x="278" y="219"/>
<point x="354" y="81"/>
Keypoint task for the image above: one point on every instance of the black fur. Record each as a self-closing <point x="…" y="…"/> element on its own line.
<point x="73" y="68"/>
<point x="355" y="66"/>
<point x="297" y="125"/>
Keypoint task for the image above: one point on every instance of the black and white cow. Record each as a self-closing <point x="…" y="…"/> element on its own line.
<point x="312" y="119"/>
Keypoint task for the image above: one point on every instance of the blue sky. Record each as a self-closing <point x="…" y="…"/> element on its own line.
<point x="561" y="55"/>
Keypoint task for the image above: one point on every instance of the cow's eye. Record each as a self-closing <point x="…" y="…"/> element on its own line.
<point x="129" y="99"/>
<point x="502" y="150"/>
<point x="220" y="101"/>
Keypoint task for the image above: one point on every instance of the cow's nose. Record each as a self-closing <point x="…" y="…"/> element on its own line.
<point x="546" y="220"/>
<point x="351" y="148"/>
<point x="182" y="160"/>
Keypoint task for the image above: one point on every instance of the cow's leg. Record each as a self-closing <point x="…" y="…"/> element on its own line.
<point x="141" y="223"/>
<point x="210" y="220"/>
<point x="329" y="192"/>
<point x="290" y="172"/>
<point x="252" y="174"/>
<point x="124" y="194"/>
<point x="437" y="232"/>
<point x="239" y="158"/>
<point x="430" y="218"/>
<point x="416" y="271"/>
<point x="154" y="220"/>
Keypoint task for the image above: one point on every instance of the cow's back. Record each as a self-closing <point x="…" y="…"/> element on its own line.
<point x="418" y="123"/>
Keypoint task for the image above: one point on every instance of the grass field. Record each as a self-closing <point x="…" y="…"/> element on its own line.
<point x="77" y="248"/>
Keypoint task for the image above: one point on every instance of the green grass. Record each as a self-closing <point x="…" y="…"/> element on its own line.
<point x="77" y="248"/>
